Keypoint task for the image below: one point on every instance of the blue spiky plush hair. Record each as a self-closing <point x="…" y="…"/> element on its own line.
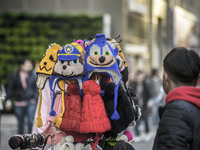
<point x="101" y="58"/>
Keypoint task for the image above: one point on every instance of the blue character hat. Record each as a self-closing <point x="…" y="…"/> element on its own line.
<point x="68" y="53"/>
<point x="101" y="58"/>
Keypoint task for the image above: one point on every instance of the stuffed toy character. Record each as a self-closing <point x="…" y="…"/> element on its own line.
<point x="101" y="58"/>
<point x="44" y="71"/>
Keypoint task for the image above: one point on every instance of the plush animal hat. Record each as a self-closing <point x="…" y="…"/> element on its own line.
<point x="101" y="58"/>
<point x="44" y="71"/>
<point x="69" y="66"/>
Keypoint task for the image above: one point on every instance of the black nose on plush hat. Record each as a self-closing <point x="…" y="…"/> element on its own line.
<point x="64" y="67"/>
<point x="102" y="59"/>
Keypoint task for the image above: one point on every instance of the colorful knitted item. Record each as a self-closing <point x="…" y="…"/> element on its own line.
<point x="124" y="108"/>
<point x="129" y="135"/>
<point x="73" y="105"/>
<point x="44" y="71"/>
<point x="94" y="118"/>
<point x="70" y="62"/>
<point x="101" y="58"/>
<point x="68" y="66"/>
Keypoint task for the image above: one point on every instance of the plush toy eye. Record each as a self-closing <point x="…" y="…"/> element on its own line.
<point x="75" y="61"/>
<point x="107" y="53"/>
<point x="51" y="58"/>
<point x="62" y="61"/>
<point x="96" y="53"/>
<point x="95" y="50"/>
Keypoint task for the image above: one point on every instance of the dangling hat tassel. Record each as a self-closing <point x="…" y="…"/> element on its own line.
<point x="115" y="115"/>
<point x="38" y="120"/>
<point x="52" y="112"/>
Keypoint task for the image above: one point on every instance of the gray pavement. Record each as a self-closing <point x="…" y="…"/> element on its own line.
<point x="9" y="128"/>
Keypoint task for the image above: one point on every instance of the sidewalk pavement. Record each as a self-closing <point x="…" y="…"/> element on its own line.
<point x="8" y="129"/>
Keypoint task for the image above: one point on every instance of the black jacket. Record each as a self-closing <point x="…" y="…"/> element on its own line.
<point x="15" y="89"/>
<point x="179" y="127"/>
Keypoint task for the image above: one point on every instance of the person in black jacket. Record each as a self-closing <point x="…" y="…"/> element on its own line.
<point x="22" y="88"/>
<point x="179" y="127"/>
<point x="141" y="86"/>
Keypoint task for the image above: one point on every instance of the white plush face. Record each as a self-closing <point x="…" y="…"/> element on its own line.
<point x="69" y="68"/>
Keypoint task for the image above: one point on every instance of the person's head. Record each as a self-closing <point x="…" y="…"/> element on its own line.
<point x="140" y="75"/>
<point x="154" y="72"/>
<point x="25" y="65"/>
<point x="181" y="68"/>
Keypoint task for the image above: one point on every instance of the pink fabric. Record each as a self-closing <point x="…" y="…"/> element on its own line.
<point x="45" y="109"/>
<point x="80" y="42"/>
<point x="129" y="135"/>
<point x="23" y="77"/>
<point x="20" y="103"/>
<point x="46" y="105"/>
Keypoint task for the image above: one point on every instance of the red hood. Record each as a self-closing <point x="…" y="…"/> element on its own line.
<point x="187" y="93"/>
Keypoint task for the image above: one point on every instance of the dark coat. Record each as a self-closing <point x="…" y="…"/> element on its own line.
<point x="179" y="127"/>
<point x="15" y="89"/>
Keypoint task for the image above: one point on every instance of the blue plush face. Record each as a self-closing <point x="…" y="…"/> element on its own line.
<point x="101" y="54"/>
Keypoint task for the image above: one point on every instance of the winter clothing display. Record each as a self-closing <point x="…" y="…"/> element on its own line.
<point x="86" y="100"/>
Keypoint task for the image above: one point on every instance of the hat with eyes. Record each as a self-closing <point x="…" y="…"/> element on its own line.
<point x="101" y="58"/>
<point x="70" y="52"/>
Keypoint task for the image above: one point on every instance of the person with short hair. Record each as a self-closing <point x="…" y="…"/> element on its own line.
<point x="179" y="126"/>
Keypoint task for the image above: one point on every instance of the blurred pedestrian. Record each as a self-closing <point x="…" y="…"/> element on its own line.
<point x="157" y="94"/>
<point x="22" y="88"/>
<point x="179" y="127"/>
<point x="143" y="95"/>
<point x="2" y="96"/>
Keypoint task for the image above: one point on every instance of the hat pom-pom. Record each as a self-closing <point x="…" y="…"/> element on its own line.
<point x="52" y="113"/>
<point x="38" y="121"/>
<point x="115" y="115"/>
<point x="58" y="121"/>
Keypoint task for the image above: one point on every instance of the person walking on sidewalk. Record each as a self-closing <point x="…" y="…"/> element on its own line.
<point x="179" y="127"/>
<point x="22" y="86"/>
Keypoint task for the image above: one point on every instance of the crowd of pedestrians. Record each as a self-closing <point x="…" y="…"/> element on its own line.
<point x="149" y="96"/>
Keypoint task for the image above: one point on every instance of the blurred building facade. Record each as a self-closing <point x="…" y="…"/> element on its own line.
<point x="148" y="28"/>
